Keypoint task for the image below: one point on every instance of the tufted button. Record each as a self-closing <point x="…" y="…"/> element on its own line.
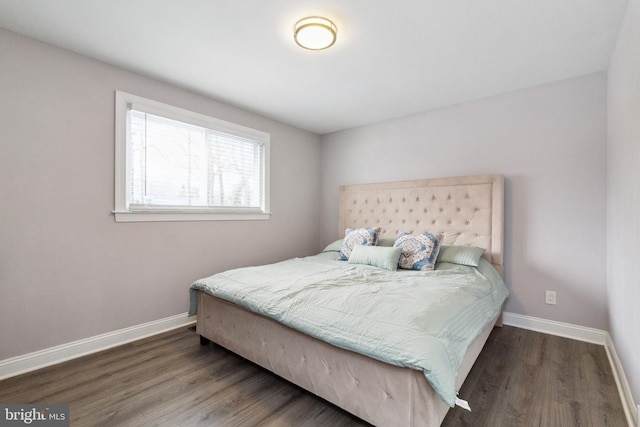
<point x="458" y="209"/>
<point x="448" y="196"/>
<point x="466" y="196"/>
<point x="441" y="209"/>
<point x="433" y="221"/>
<point x="418" y="199"/>
<point x="425" y="210"/>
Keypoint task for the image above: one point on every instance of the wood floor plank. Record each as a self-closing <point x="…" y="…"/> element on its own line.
<point x="522" y="378"/>
<point x="525" y="378"/>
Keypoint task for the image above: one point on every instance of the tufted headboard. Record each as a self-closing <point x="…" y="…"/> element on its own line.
<point x="469" y="210"/>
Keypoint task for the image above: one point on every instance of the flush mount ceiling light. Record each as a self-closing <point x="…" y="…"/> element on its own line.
<point x="315" y="33"/>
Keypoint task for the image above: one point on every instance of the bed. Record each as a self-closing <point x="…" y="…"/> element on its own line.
<point x="465" y="211"/>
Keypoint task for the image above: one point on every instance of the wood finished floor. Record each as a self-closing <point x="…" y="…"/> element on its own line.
<point x="522" y="378"/>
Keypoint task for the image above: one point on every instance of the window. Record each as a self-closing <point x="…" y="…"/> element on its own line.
<point x="176" y="165"/>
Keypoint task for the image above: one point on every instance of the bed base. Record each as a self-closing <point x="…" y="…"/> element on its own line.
<point x="377" y="392"/>
<point x="468" y="210"/>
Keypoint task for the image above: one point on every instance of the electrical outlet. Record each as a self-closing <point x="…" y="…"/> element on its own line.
<point x="550" y="297"/>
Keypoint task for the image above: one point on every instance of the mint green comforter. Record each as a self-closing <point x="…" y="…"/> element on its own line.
<point x="423" y="320"/>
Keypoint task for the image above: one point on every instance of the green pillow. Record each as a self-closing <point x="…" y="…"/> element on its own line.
<point x="386" y="242"/>
<point x="333" y="247"/>
<point x="377" y="256"/>
<point x="465" y="255"/>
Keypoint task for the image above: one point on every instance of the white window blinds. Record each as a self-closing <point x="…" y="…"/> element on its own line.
<point x="176" y="165"/>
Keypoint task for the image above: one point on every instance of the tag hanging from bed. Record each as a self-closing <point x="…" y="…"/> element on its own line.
<point x="463" y="404"/>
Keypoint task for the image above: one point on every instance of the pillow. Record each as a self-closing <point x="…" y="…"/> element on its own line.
<point x="465" y="255"/>
<point x="358" y="236"/>
<point x="386" y="242"/>
<point x="419" y="251"/>
<point x="333" y="247"/>
<point x="377" y="256"/>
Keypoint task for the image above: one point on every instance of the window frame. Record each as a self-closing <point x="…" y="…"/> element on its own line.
<point x="123" y="213"/>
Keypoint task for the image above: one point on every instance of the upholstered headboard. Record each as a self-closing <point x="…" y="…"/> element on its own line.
<point x="469" y="210"/>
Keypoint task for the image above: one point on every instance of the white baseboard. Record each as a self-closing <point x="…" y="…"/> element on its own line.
<point x="630" y="409"/>
<point x="50" y="356"/>
<point x="591" y="335"/>
<point x="567" y="330"/>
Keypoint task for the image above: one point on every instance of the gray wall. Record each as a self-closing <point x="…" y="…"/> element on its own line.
<point x="67" y="270"/>
<point x="623" y="193"/>
<point x="549" y="142"/>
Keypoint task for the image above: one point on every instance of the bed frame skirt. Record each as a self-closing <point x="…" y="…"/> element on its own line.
<point x="377" y="392"/>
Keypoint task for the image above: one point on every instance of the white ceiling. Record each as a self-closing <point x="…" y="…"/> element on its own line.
<point x="392" y="58"/>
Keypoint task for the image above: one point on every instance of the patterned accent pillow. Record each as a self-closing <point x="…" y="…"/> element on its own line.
<point x="419" y="251"/>
<point x="358" y="236"/>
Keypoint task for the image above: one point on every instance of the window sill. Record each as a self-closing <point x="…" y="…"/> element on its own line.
<point x="146" y="216"/>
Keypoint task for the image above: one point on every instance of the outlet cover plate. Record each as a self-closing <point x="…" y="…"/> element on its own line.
<point x="550" y="297"/>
